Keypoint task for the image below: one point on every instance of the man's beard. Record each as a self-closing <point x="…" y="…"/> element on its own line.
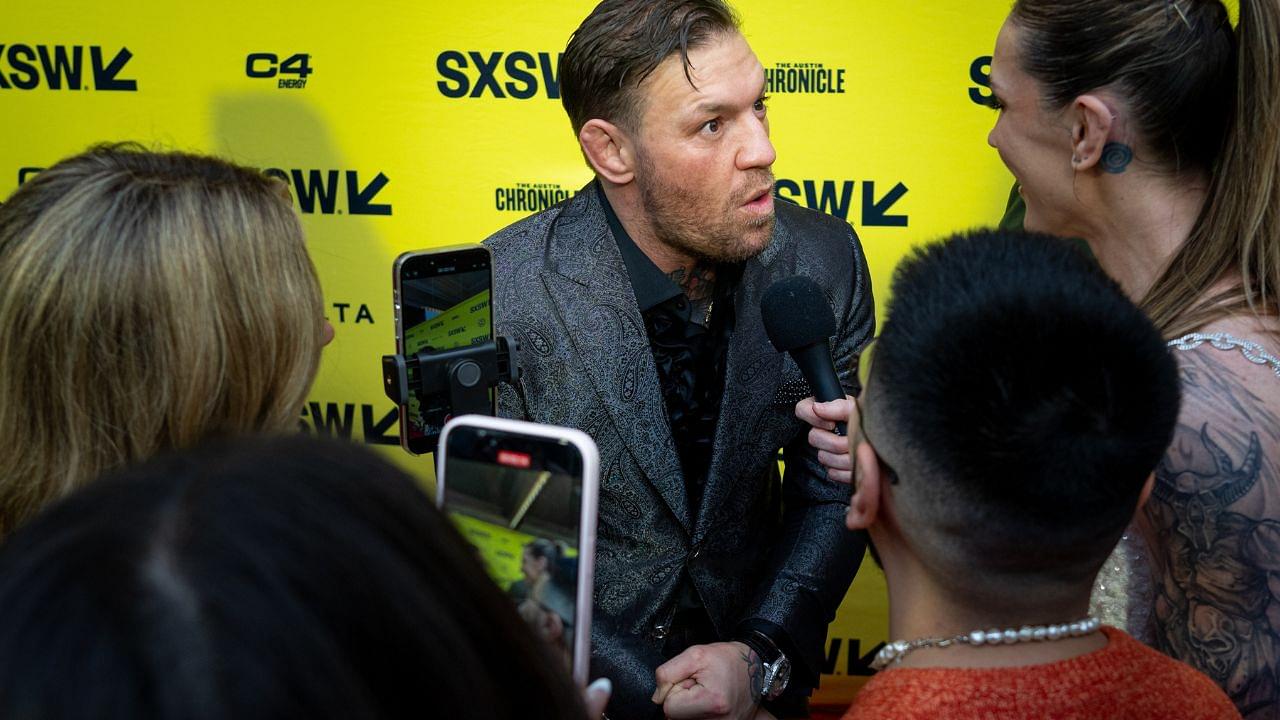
<point x="681" y="220"/>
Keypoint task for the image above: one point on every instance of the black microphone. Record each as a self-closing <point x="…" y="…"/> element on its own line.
<point x="799" y="321"/>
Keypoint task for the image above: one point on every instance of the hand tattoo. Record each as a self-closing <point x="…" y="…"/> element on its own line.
<point x="755" y="675"/>
<point x="1217" y="604"/>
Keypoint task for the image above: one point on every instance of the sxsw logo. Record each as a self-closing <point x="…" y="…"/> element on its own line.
<point x="63" y="67"/>
<point x="319" y="191"/>
<point x="269" y="65"/>
<point x="835" y="197"/>
<point x="980" y="74"/>
<point x="530" y="197"/>
<point x="378" y="426"/>
<point x="520" y="75"/>
<point x="804" y="78"/>
<point x="857" y="663"/>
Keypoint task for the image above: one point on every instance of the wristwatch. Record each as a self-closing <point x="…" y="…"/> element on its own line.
<point x="777" y="668"/>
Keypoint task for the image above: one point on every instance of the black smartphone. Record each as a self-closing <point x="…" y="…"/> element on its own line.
<point x="525" y="496"/>
<point x="442" y="301"/>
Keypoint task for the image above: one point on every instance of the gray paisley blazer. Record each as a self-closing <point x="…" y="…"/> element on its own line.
<point x="758" y="546"/>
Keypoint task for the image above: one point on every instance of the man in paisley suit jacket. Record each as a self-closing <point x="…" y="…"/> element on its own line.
<point x="636" y="304"/>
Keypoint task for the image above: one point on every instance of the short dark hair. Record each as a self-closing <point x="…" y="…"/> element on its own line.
<point x="621" y="42"/>
<point x="280" y="578"/>
<point x="1025" y="400"/>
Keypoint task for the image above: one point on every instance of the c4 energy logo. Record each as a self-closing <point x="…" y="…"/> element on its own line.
<point x="529" y="197"/>
<point x="803" y="78"/>
<point x="63" y="67"/>
<point x="520" y="75"/>
<point x="291" y="73"/>
<point x="980" y="74"/>
<point x="319" y="191"/>
<point x="835" y="197"/>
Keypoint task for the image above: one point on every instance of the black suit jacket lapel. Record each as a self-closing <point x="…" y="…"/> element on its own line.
<point x="752" y="372"/>
<point x="593" y="300"/>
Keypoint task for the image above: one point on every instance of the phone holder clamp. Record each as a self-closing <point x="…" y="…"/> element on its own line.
<point x="463" y="376"/>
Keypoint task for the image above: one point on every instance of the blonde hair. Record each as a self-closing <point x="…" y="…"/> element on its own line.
<point x="148" y="301"/>
<point x="1205" y="98"/>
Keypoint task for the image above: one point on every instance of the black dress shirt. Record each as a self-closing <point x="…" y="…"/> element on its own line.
<point x="689" y="351"/>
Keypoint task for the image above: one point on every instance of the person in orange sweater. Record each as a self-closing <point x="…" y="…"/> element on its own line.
<point x="1014" y="409"/>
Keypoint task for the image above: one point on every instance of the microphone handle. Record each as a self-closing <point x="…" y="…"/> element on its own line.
<point x="819" y="371"/>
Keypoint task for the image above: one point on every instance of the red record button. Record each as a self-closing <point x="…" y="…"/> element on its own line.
<point x="514" y="459"/>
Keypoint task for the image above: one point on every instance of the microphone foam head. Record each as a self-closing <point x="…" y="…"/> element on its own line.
<point x="796" y="313"/>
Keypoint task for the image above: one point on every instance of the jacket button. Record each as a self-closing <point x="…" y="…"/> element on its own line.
<point x="660" y="631"/>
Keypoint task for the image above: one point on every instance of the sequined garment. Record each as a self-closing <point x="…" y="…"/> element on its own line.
<point x="1124" y="590"/>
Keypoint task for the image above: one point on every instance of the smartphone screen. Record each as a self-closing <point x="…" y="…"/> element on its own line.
<point x="443" y="301"/>
<point x="519" y="499"/>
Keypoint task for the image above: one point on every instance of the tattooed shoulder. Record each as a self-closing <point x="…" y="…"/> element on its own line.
<point x="1215" y="515"/>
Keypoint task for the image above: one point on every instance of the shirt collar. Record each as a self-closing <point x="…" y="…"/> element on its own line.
<point x="651" y="286"/>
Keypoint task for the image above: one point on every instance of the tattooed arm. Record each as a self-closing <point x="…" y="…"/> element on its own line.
<point x="1215" y="522"/>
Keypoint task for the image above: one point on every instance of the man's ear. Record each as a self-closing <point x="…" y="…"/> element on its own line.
<point x="867" y="476"/>
<point x="1091" y="122"/>
<point x="1145" y="495"/>
<point x="609" y="150"/>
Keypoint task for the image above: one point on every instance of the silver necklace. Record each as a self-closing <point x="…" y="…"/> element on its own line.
<point x="1253" y="352"/>
<point x="895" y="651"/>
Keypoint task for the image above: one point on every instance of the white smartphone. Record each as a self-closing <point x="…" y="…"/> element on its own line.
<point x="525" y="495"/>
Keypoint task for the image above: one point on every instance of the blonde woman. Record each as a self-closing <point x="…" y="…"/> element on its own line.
<point x="148" y="301"/>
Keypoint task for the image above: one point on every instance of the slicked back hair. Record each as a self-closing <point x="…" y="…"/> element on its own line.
<point x="1023" y="400"/>
<point x="1203" y="97"/>
<point x="621" y="43"/>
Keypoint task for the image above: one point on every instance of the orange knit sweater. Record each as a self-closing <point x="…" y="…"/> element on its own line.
<point x="1126" y="680"/>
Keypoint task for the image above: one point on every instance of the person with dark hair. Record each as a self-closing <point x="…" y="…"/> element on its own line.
<point x="1015" y="408"/>
<point x="637" y="307"/>
<point x="1151" y="129"/>
<point x="539" y="561"/>
<point x="286" y="578"/>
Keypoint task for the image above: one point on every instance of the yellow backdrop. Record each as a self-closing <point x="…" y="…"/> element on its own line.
<point x="406" y="124"/>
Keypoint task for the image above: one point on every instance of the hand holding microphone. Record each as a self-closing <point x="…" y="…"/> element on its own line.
<point x="799" y="321"/>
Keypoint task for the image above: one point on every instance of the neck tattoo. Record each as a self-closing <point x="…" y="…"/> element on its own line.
<point x="698" y="282"/>
<point x="894" y="652"/>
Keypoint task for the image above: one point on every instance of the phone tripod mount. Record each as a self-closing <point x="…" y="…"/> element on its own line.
<point x="461" y="376"/>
